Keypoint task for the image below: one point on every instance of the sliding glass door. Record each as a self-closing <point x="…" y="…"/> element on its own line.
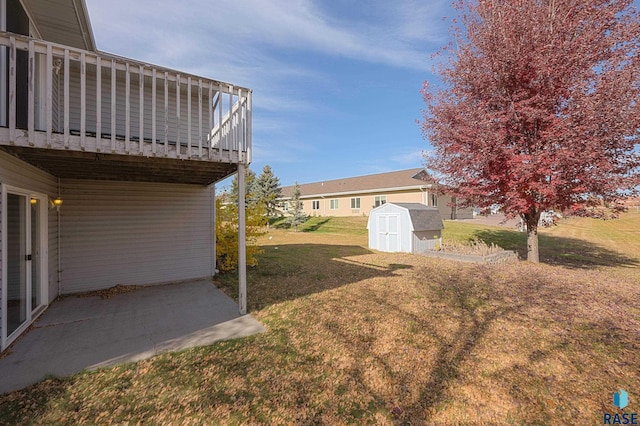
<point x="24" y="295"/>
<point x="17" y="255"/>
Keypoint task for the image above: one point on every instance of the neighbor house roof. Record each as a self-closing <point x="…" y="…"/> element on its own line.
<point x="402" y="179"/>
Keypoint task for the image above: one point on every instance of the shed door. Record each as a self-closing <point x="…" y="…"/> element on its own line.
<point x="388" y="235"/>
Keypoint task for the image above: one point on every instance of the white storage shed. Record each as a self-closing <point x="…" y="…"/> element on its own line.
<point x="404" y="227"/>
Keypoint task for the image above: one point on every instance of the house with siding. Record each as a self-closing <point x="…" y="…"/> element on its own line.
<point x="107" y="164"/>
<point x="357" y="196"/>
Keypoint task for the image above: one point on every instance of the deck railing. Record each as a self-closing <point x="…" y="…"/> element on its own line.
<point x="58" y="97"/>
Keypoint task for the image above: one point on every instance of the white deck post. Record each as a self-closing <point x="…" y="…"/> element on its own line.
<point x="214" y="221"/>
<point x="242" y="243"/>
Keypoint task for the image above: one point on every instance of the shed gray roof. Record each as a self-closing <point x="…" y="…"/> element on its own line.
<point x="423" y="218"/>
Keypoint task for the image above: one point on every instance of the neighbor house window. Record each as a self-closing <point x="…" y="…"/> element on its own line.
<point x="315" y="205"/>
<point x="434" y="200"/>
<point x="285" y="206"/>
<point x="334" y="204"/>
<point x="355" y="203"/>
<point x="380" y="200"/>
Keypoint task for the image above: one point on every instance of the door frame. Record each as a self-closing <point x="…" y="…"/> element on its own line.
<point x="32" y="312"/>
<point x="4" y="65"/>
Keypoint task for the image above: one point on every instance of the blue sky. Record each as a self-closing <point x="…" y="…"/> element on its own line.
<point x="336" y="86"/>
<point x="336" y="83"/>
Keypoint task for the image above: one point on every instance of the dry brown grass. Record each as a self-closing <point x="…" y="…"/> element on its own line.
<point x="363" y="337"/>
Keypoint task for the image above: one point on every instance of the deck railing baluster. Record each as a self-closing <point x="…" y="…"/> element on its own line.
<point x="72" y="111"/>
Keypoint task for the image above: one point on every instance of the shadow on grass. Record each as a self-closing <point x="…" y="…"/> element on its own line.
<point x="291" y="271"/>
<point x="315" y="226"/>
<point x="562" y="251"/>
<point x="476" y="306"/>
<point x="35" y="399"/>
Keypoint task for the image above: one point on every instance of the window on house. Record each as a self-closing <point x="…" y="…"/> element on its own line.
<point x="334" y="204"/>
<point x="434" y="200"/>
<point x="285" y="206"/>
<point x="380" y="200"/>
<point x="355" y="203"/>
<point x="315" y="205"/>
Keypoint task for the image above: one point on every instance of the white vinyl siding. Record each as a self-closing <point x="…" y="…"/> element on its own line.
<point x="19" y="174"/>
<point x="134" y="233"/>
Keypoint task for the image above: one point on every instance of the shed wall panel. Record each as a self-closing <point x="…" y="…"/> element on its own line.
<point x="134" y="233"/>
<point x="426" y="240"/>
<point x="17" y="173"/>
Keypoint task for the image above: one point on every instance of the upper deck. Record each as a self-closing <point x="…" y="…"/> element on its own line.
<point x="93" y="115"/>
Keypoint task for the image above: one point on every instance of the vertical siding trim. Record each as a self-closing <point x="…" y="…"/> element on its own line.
<point x="210" y="128"/>
<point x="12" y="90"/>
<point x="200" y="118"/>
<point x="249" y="127"/>
<point x="3" y="263"/>
<point x="154" y="88"/>
<point x="189" y="116"/>
<point x="83" y="100"/>
<point x="32" y="95"/>
<point x="98" y="103"/>
<point x="67" y="72"/>
<point x="231" y="140"/>
<point x="178" y="116"/>
<point x="141" y="117"/>
<point x="113" y="105"/>
<point x="220" y="133"/>
<point x="49" y="95"/>
<point x="166" y="114"/>
<point x="127" y="120"/>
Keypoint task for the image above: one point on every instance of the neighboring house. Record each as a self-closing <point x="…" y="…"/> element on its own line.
<point x="357" y="196"/>
<point x="632" y="204"/>
<point x="107" y="164"/>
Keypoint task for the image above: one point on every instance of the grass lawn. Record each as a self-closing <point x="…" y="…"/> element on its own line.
<point x="363" y="337"/>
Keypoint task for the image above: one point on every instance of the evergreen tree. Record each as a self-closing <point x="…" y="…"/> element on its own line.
<point x="297" y="216"/>
<point x="250" y="197"/>
<point x="227" y="224"/>
<point x="267" y="191"/>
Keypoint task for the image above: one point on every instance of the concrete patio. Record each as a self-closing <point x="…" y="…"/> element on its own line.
<point x="78" y="333"/>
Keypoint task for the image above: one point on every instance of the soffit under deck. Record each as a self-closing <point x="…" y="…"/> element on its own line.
<point x="100" y="166"/>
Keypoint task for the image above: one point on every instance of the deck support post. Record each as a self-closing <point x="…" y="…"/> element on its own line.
<point x="214" y="226"/>
<point x="242" y="242"/>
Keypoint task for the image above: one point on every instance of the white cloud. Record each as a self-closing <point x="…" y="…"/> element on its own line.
<point x="257" y="44"/>
<point x="235" y="34"/>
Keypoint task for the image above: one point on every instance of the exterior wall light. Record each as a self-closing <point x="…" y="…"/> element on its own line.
<point x="55" y="203"/>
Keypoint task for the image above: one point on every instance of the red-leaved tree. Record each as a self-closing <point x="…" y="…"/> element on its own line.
<point x="540" y="107"/>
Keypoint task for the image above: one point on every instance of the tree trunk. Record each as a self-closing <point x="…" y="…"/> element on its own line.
<point x="531" y="220"/>
<point x="532" y="245"/>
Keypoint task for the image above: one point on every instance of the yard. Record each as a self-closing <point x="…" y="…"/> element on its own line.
<point x="356" y="336"/>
